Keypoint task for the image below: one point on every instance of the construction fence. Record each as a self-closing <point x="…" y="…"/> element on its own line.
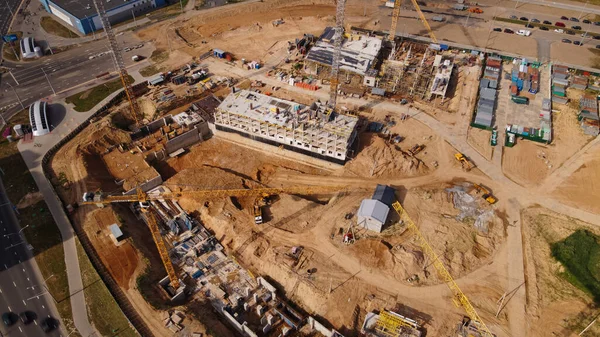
<point x="128" y="310"/>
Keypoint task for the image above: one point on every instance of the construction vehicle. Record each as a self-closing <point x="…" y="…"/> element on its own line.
<point x="487" y="195"/>
<point x="100" y="199"/>
<point x="118" y="60"/>
<point x="459" y="298"/>
<point x="475" y="10"/>
<point x="416" y="149"/>
<point x="466" y="163"/>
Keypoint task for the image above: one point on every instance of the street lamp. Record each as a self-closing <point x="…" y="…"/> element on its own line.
<point x="47" y="79"/>
<point x="18" y="98"/>
<point x="17" y="233"/>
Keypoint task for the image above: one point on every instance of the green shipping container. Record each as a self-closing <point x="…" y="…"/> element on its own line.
<point x="520" y="99"/>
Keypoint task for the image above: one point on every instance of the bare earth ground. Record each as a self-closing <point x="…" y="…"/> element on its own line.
<point x="556" y="303"/>
<point x="480" y="141"/>
<point x="529" y="163"/>
<point x="583" y="187"/>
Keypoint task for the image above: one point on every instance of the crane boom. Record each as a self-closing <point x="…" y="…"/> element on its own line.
<point x="425" y="23"/>
<point x="118" y="60"/>
<point x="162" y="249"/>
<point x="337" y="53"/>
<point x="441" y="269"/>
<point x="143" y="196"/>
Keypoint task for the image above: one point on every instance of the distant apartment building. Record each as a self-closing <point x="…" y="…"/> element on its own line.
<point x="83" y="17"/>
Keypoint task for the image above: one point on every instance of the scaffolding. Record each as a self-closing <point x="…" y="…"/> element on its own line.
<point x="391" y="324"/>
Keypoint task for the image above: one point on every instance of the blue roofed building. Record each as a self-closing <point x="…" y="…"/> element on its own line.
<point x="82" y="16"/>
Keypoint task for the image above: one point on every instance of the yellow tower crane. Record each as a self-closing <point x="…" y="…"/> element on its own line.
<point x="91" y="198"/>
<point x="396" y="14"/>
<point x="118" y="60"/>
<point x="459" y="297"/>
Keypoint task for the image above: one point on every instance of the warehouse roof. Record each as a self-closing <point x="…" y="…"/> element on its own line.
<point x="385" y="194"/>
<point x="374" y="209"/>
<point x="81" y="9"/>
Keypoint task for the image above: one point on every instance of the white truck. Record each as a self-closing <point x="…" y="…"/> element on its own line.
<point x="135" y="58"/>
<point x="523" y="32"/>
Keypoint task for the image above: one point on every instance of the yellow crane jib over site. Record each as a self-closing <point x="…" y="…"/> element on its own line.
<point x="396" y="15"/>
<point x="459" y="296"/>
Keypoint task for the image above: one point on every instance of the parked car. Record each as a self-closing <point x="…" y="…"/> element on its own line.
<point x="529" y="25"/>
<point x="565" y="41"/>
<point x="535" y="20"/>
<point x="574" y="19"/>
<point x="559" y="31"/>
<point x="546" y="22"/>
<point x="570" y="32"/>
<point x="8" y="318"/>
<point x="598" y="46"/>
<point x="523" y="18"/>
<point x="586" y="21"/>
<point x="576" y="27"/>
<point x="559" y="24"/>
<point x="543" y="28"/>
<point x="497" y="29"/>
<point x="514" y="17"/>
<point x="596" y="23"/>
<point x="596" y="37"/>
<point x="577" y="43"/>
<point x="564" y="18"/>
<point x="508" y="31"/>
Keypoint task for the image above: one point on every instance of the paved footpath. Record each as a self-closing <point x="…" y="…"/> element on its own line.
<point x="33" y="153"/>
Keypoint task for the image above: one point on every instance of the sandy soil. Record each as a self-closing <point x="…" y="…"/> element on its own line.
<point x="554" y="304"/>
<point x="121" y="260"/>
<point x="30" y="199"/>
<point x="529" y="163"/>
<point x="582" y="189"/>
<point x="572" y="54"/>
<point x="480" y="141"/>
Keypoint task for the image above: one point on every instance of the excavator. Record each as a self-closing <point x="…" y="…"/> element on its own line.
<point x="466" y="163"/>
<point x="487" y="195"/>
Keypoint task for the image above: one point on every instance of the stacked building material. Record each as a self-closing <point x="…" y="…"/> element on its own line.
<point x="588" y="115"/>
<point x="579" y="82"/>
<point x="560" y="82"/>
<point x="486" y="104"/>
<point x="524" y="77"/>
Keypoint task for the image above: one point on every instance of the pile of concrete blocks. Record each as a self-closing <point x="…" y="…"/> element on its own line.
<point x="173" y="319"/>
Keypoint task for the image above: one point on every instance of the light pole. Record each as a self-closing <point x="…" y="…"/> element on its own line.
<point x="134" y="22"/>
<point x="10" y="9"/>
<point x="16" y="244"/>
<point x="91" y="28"/>
<point x="47" y="79"/>
<point x="181" y="4"/>
<point x="581" y="13"/>
<point x="18" y="98"/>
<point x="17" y="233"/>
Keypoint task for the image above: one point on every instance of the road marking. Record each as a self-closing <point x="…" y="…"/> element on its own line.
<point x="24" y="302"/>
<point x="19" y="261"/>
<point x="20" y="329"/>
<point x="23" y="269"/>
<point x="43" y="307"/>
<point x="0" y="291"/>
<point x="28" y="279"/>
<point x="35" y="322"/>
<point x="9" y="309"/>
<point x="14" y="284"/>
<point x="5" y="266"/>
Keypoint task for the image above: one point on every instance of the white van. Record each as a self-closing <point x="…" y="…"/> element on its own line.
<point x="523" y="32"/>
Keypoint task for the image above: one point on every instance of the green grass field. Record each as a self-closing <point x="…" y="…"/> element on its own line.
<point x="54" y="27"/>
<point x="580" y="255"/>
<point x="86" y="100"/>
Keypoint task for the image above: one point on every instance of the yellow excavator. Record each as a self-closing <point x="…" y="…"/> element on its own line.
<point x="487" y="195"/>
<point x="466" y="163"/>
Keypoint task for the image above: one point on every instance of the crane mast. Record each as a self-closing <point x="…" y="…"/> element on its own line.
<point x="118" y="59"/>
<point x="459" y="296"/>
<point x="337" y="52"/>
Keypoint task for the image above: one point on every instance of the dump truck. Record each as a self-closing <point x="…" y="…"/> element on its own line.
<point x="258" y="214"/>
<point x="487" y="195"/>
<point x="466" y="163"/>
<point x="416" y="149"/>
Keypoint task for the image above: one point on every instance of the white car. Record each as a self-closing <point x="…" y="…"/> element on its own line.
<point x="523" y="32"/>
<point x="560" y="31"/>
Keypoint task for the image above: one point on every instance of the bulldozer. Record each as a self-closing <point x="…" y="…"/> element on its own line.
<point x="487" y="195"/>
<point x="466" y="163"/>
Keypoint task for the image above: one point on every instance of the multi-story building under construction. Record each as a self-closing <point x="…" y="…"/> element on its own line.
<point x="312" y="130"/>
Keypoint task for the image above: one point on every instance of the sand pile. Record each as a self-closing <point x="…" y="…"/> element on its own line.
<point x="378" y="158"/>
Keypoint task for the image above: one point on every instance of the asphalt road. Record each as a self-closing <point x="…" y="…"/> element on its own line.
<point x="21" y="285"/>
<point x="29" y="81"/>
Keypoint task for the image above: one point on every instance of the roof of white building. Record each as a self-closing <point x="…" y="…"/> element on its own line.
<point x="288" y="114"/>
<point x="358" y="52"/>
<point x="374" y="209"/>
<point x="38" y="118"/>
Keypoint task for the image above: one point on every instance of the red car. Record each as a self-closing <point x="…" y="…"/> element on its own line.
<point x="559" y="24"/>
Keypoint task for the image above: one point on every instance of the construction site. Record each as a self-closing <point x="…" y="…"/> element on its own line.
<point x="319" y="189"/>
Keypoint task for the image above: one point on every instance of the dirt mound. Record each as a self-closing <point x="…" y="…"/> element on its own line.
<point x="373" y="254"/>
<point x="208" y="177"/>
<point x="378" y="158"/>
<point x="29" y="199"/>
<point x="101" y="137"/>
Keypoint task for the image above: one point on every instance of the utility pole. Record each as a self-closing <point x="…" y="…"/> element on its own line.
<point x="13" y="76"/>
<point x="134" y="22"/>
<point x="47" y="79"/>
<point x="18" y="99"/>
<point x="181" y="4"/>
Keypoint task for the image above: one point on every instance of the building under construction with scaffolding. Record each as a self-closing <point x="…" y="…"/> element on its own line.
<point x="312" y="130"/>
<point x="390" y="324"/>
